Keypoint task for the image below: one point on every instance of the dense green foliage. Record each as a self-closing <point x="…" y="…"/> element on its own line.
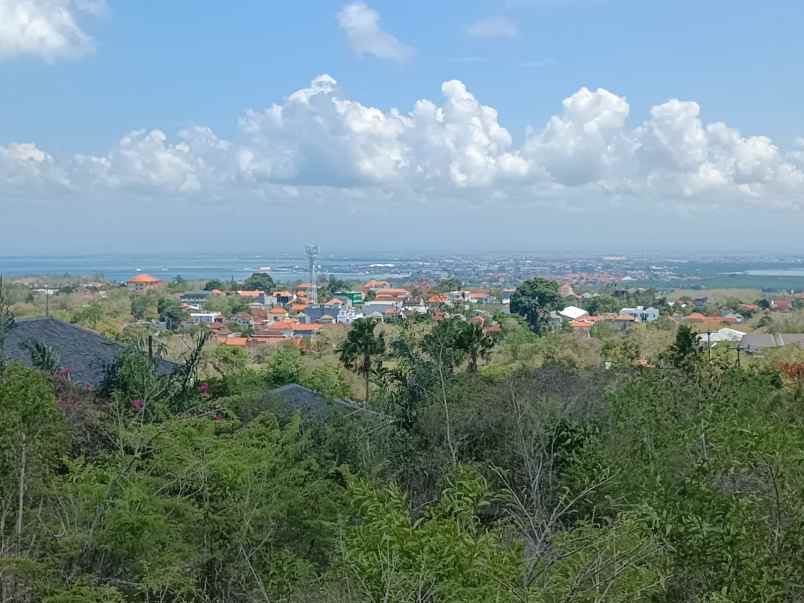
<point x="259" y="281"/>
<point x="524" y="466"/>
<point x="534" y="300"/>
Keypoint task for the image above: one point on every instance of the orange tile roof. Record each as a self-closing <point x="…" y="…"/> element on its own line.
<point x="309" y="327"/>
<point x="253" y="294"/>
<point x="143" y="279"/>
<point x="283" y="294"/>
<point x="239" y="342"/>
<point x="281" y="325"/>
<point x="372" y="284"/>
<point x="305" y="286"/>
<point x="298" y="307"/>
<point x="438" y="299"/>
<point x="334" y="302"/>
<point x="278" y="310"/>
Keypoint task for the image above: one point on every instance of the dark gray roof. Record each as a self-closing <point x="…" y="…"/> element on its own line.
<point x="309" y="403"/>
<point x="196" y="295"/>
<point x="316" y="313"/>
<point x="754" y="342"/>
<point x="86" y="353"/>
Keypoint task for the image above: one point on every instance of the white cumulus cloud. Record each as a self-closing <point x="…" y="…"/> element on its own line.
<point x="47" y="29"/>
<point x="362" y="27"/>
<point x="319" y="143"/>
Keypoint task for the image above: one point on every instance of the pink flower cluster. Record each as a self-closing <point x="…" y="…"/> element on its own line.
<point x="137" y="404"/>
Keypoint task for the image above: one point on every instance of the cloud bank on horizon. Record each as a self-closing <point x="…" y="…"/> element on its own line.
<point x="319" y="139"/>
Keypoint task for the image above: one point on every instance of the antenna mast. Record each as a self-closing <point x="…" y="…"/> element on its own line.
<point x="312" y="256"/>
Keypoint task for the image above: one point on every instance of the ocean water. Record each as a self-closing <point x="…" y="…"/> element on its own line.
<point x="120" y="268"/>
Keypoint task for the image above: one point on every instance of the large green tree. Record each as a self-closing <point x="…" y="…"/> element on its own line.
<point x="360" y="348"/>
<point x="535" y="299"/>
<point x="171" y="312"/>
<point x="259" y="281"/>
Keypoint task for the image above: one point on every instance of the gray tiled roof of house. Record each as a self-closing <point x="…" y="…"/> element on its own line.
<point x="754" y="342"/>
<point x="316" y="313"/>
<point x="86" y="353"/>
<point x="310" y="404"/>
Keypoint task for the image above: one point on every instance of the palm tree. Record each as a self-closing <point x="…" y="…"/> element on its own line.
<point x="475" y="342"/>
<point x="43" y="357"/>
<point x="359" y="348"/>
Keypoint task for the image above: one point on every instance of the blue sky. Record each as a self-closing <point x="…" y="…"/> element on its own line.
<point x="84" y="89"/>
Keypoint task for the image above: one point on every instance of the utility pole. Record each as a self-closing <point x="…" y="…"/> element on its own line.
<point x="47" y="300"/>
<point x="312" y="256"/>
<point x="709" y="345"/>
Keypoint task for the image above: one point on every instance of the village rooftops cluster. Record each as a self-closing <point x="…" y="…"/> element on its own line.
<point x="274" y="317"/>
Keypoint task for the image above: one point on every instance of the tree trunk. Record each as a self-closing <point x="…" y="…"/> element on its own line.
<point x="21" y="489"/>
<point x="367" y="372"/>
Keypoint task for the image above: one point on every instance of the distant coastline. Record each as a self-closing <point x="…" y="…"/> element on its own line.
<point x="196" y="267"/>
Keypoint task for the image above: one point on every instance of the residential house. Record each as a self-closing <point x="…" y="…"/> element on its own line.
<point x="310" y="406"/>
<point x="380" y="310"/>
<point x="201" y="318"/>
<point x="573" y="313"/>
<point x="620" y="322"/>
<point x="724" y="335"/>
<point x="356" y="297"/>
<point x="391" y="294"/>
<point x="437" y="299"/>
<point x="277" y="313"/>
<point x="84" y="355"/>
<point x="782" y="305"/>
<point x="143" y="282"/>
<point x="283" y="297"/>
<point x="641" y="314"/>
<point x="258" y="297"/>
<point x="459" y="296"/>
<point x="757" y="342"/>
<point x="237" y="342"/>
<point x="374" y="285"/>
<point x="337" y="302"/>
<point x="319" y="314"/>
<point x="281" y="328"/>
<point x="244" y="320"/>
<point x="480" y="296"/>
<point x="583" y="325"/>
<point x="195" y="298"/>
<point x="306" y="330"/>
